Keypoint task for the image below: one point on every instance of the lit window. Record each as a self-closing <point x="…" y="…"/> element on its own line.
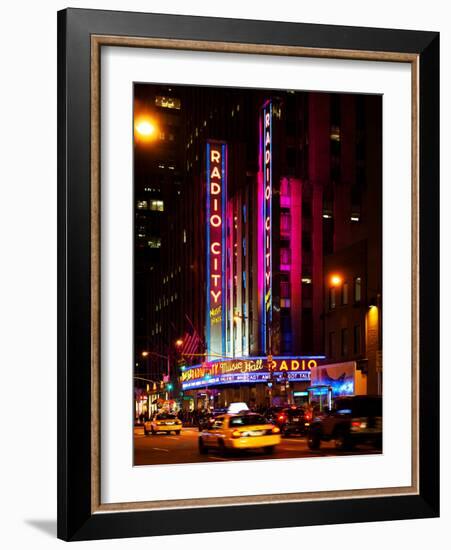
<point x="184" y="235"/>
<point x="355" y="218"/>
<point x="142" y="205"/>
<point x="357" y="289"/>
<point x="306" y="280"/>
<point x="154" y="242"/>
<point x="285" y="256"/>
<point x="157" y="205"/>
<point x="285" y="222"/>
<point x="335" y="133"/>
<point x="167" y="102"/>
<point x="332" y="298"/>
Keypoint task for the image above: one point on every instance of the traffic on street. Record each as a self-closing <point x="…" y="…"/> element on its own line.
<point x="246" y="435"/>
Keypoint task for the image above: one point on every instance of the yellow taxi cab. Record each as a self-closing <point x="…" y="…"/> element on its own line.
<point x="163" y="422"/>
<point x="244" y="430"/>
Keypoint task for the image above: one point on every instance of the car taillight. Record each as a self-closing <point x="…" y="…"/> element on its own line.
<point x="281" y="417"/>
<point x="308" y="416"/>
<point x="358" y="425"/>
<point x="275" y="430"/>
<point x="236" y="434"/>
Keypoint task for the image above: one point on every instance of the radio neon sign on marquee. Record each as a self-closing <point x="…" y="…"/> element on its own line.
<point x="249" y="370"/>
<point x="216" y="193"/>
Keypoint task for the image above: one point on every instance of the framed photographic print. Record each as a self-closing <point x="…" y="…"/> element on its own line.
<point x="248" y="274"/>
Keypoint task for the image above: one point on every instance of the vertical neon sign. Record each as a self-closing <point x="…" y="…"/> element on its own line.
<point x="267" y="224"/>
<point x="216" y="154"/>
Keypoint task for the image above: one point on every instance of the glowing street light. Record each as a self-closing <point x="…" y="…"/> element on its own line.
<point x="179" y="342"/>
<point x="335" y="280"/>
<point x="144" y="353"/>
<point x="145" y="128"/>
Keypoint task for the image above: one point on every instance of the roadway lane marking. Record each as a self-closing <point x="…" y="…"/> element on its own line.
<point x="170" y="437"/>
<point x="158" y="449"/>
<point x="216" y="458"/>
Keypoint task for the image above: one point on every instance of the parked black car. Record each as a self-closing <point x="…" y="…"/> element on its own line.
<point x="292" y="420"/>
<point x="352" y="420"/>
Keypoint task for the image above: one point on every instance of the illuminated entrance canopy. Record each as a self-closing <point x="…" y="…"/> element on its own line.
<point x="249" y="370"/>
<point x="216" y="193"/>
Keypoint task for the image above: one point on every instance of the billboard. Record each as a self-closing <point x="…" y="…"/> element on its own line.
<point x="339" y="376"/>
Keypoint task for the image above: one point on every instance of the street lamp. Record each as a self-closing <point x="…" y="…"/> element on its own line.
<point x="179" y="343"/>
<point x="336" y="280"/>
<point x="146" y="129"/>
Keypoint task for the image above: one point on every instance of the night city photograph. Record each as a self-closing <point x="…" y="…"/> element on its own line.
<point x="257" y="274"/>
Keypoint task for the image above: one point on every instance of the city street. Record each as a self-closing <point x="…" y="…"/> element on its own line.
<point x="171" y="449"/>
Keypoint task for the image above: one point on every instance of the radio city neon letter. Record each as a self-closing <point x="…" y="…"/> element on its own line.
<point x="216" y="221"/>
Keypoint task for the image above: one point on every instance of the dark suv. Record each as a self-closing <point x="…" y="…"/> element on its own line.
<point x="292" y="420"/>
<point x="356" y="419"/>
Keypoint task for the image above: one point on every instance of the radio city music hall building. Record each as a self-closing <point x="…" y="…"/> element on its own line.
<point x="270" y="258"/>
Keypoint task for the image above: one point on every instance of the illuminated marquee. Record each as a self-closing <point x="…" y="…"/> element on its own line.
<point x="216" y="154"/>
<point x="267" y="222"/>
<point x="249" y="370"/>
